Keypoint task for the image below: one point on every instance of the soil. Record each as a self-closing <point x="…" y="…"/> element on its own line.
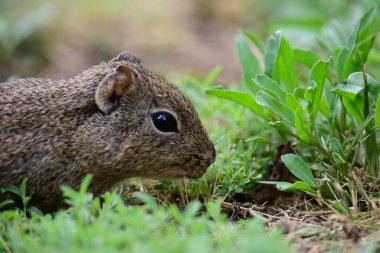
<point x="310" y="227"/>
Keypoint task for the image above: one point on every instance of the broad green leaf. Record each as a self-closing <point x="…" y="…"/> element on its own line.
<point x="298" y="185"/>
<point x="244" y="99"/>
<point x="292" y="102"/>
<point x="357" y="80"/>
<point x="373" y="86"/>
<point x="336" y="147"/>
<point x="348" y="90"/>
<point x="277" y="107"/>
<point x="340" y="60"/>
<point x="284" y="70"/>
<point x="271" y="52"/>
<point x="270" y="86"/>
<point x="355" y="107"/>
<point x="255" y="40"/>
<point x="349" y="64"/>
<point x="361" y="41"/>
<point x="365" y="47"/>
<point x="365" y="28"/>
<point x="259" y="139"/>
<point x="300" y="169"/>
<point x="352" y="95"/>
<point x="318" y="75"/>
<point x="306" y="57"/>
<point x="249" y="63"/>
<point x="302" y="125"/>
<point x="367" y="25"/>
<point x="377" y="112"/>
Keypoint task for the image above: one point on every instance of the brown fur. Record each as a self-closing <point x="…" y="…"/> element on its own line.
<point x="54" y="132"/>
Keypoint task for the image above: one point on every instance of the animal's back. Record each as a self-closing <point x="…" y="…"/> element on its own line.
<point x="27" y="129"/>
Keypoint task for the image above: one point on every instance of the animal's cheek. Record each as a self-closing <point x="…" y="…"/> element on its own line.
<point x="124" y="149"/>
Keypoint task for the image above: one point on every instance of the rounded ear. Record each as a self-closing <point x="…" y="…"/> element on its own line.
<point x="112" y="87"/>
<point x="127" y="56"/>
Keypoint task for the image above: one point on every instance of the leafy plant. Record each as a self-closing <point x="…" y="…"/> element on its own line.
<point x="19" y="191"/>
<point x="329" y="116"/>
<point x="114" y="227"/>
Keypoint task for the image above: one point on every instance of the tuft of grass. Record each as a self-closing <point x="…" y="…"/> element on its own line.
<point x="113" y="227"/>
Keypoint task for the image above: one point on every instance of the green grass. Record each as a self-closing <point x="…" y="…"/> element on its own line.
<point x="326" y="109"/>
<point x="115" y="227"/>
<point x="321" y="94"/>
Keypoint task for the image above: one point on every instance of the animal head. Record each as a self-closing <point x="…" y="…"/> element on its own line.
<point x="144" y="127"/>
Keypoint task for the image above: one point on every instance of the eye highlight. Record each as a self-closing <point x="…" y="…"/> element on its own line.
<point x="164" y="122"/>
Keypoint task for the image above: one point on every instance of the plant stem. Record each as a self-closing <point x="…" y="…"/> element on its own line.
<point x="372" y="161"/>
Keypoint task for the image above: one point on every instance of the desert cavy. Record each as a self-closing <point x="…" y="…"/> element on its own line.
<point x="115" y="120"/>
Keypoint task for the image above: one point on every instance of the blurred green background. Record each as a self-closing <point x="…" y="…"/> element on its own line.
<point x="57" y="39"/>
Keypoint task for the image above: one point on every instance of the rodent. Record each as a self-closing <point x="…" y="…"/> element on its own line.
<point x="115" y="120"/>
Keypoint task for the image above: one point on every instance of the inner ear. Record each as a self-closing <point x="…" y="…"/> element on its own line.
<point x="113" y="86"/>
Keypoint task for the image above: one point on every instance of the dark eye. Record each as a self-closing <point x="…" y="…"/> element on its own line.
<point x="165" y="122"/>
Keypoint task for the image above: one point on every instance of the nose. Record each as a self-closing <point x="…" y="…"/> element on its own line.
<point x="211" y="159"/>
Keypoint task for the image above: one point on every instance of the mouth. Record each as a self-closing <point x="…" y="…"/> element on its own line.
<point x="193" y="167"/>
<point x="196" y="166"/>
<point x="195" y="174"/>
